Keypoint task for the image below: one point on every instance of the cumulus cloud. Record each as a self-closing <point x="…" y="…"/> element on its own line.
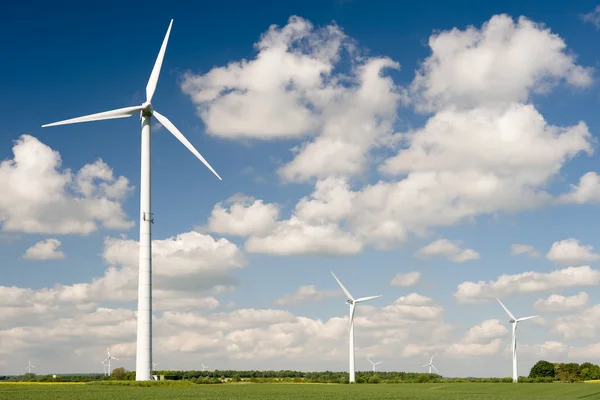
<point x="292" y="88"/>
<point x="45" y="250"/>
<point x="246" y="216"/>
<point x="587" y="190"/>
<point x="518" y="249"/>
<point x="449" y="250"/>
<point x="295" y="236"/>
<point x="570" y="252"/>
<point x="501" y="63"/>
<point x="528" y="282"/>
<point x="480" y="340"/>
<point x="306" y="294"/>
<point x="584" y="324"/>
<point x="405" y="280"/>
<point x="559" y="303"/>
<point x="40" y="197"/>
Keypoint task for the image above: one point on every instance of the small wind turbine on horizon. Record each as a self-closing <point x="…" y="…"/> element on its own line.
<point x="352" y="302"/>
<point x="430" y="365"/>
<point x="204" y="368"/>
<point x="374" y="363"/>
<point x="29" y="366"/>
<point x="108" y="358"/>
<point x="143" y="371"/>
<point x="514" y="321"/>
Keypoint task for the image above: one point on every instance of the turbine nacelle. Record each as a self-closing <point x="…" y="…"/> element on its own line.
<point x="512" y="321"/>
<point x="350" y="301"/>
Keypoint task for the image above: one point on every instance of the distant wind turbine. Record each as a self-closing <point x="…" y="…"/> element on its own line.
<point x="29" y="366"/>
<point x="352" y="302"/>
<point x="430" y="365"/>
<point x="514" y="321"/>
<point x="204" y="368"/>
<point x="108" y="358"/>
<point x="143" y="370"/>
<point x="374" y="363"/>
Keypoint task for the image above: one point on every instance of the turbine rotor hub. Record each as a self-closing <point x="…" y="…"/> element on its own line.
<point x="147" y="110"/>
<point x="349" y="301"/>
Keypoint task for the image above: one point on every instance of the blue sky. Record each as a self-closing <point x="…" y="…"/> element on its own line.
<point x="401" y="158"/>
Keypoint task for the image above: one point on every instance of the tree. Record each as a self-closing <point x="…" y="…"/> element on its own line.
<point x="119" y="373"/>
<point x="542" y="369"/>
<point x="589" y="371"/>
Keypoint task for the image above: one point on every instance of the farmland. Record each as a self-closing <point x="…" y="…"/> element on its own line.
<point x="429" y="391"/>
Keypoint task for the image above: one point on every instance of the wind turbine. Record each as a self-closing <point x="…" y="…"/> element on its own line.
<point x="430" y="365"/>
<point x="29" y="366"/>
<point x="108" y="358"/>
<point x="143" y="364"/>
<point x="352" y="302"/>
<point x="204" y="368"/>
<point x="374" y="363"/>
<point x="514" y="321"/>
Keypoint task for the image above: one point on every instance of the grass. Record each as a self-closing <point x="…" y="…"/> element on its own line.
<point x="424" y="391"/>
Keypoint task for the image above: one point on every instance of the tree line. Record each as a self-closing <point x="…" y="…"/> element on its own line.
<point x="565" y="372"/>
<point x="542" y="372"/>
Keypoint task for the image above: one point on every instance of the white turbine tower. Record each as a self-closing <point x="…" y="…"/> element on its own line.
<point x="144" y="324"/>
<point x="514" y="321"/>
<point x="352" y="302"/>
<point x="374" y="363"/>
<point x="29" y="366"/>
<point x="204" y="368"/>
<point x="108" y="358"/>
<point x="430" y="365"/>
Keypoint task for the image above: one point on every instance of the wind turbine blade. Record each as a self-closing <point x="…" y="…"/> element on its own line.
<point x="426" y="365"/>
<point x="506" y="309"/>
<point x="367" y="298"/>
<point x="151" y="86"/>
<point x="112" y="114"/>
<point x="436" y="370"/>
<point x="526" y="318"/>
<point x="343" y="288"/>
<point x="377" y="363"/>
<point x="431" y="360"/>
<point x="169" y="125"/>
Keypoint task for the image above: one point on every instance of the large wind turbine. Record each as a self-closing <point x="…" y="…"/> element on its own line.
<point x="514" y="321"/>
<point x="29" y="366"/>
<point x="352" y="302"/>
<point x="143" y="370"/>
<point x="430" y="365"/>
<point x="374" y="363"/>
<point x="108" y="358"/>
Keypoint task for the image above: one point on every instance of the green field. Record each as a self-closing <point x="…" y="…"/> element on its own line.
<point x="422" y="391"/>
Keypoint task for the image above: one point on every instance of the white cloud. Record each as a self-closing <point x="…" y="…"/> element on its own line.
<point x="528" y="282"/>
<point x="559" y="303"/>
<point x="45" y="250"/>
<point x="518" y="249"/>
<point x="570" y="252"/>
<point x="593" y="17"/>
<point x="501" y="63"/>
<point x="405" y="280"/>
<point x="293" y="88"/>
<point x="306" y="294"/>
<point x="585" y="324"/>
<point x="587" y="190"/>
<point x="480" y="340"/>
<point x="295" y="236"/>
<point x="38" y="197"/>
<point x="246" y="216"/>
<point x="585" y="353"/>
<point x="449" y="250"/>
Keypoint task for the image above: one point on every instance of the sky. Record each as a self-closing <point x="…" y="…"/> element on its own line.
<point x="440" y="154"/>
